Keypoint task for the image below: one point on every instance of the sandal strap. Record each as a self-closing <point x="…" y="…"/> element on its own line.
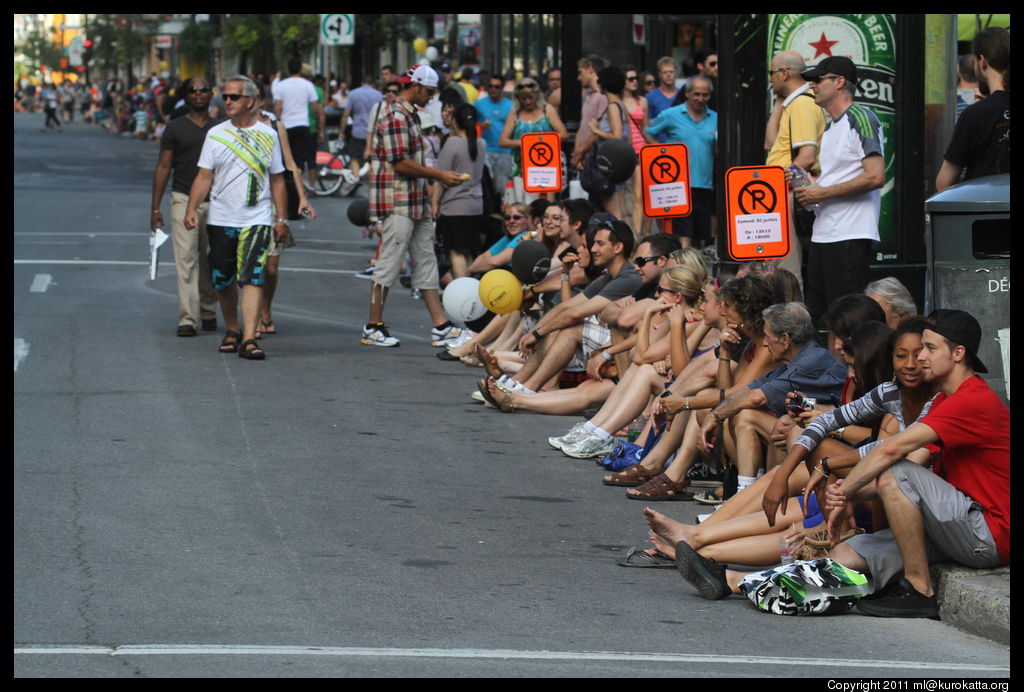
<point x="244" y="346"/>
<point x="661" y="485"/>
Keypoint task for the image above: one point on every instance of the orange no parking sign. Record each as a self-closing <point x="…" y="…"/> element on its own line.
<point x="757" y="212"/>
<point x="541" y="154"/>
<point x="665" y="177"/>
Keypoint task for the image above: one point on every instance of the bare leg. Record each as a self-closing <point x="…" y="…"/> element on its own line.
<point x="630" y="398"/>
<point x="459" y="264"/>
<point x="750" y="427"/>
<point x="561" y="402"/>
<point x="269" y="288"/>
<point x="432" y="301"/>
<point x="485" y="336"/>
<point x="251" y="297"/>
<point x="378" y="296"/>
<point x="750" y="550"/>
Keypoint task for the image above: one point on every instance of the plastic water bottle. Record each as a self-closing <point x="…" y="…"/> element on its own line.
<point x="785" y="554"/>
<point x="801" y="179"/>
<point x="635" y="427"/>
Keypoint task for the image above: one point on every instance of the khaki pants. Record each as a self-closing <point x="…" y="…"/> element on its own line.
<point x="196" y="297"/>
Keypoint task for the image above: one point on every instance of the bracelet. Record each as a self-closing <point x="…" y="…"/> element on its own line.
<point x="606" y="355"/>
<point x="838" y="434"/>
<point x="721" y="395"/>
<point x="156" y="211"/>
<point x="536" y="334"/>
<point x="825" y="468"/>
<point x="284" y="221"/>
<point x="565" y="277"/>
<point x="686" y="403"/>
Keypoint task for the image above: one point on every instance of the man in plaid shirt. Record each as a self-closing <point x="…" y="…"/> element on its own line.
<point x="400" y="201"/>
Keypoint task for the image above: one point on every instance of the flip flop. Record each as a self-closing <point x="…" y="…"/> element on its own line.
<point x="490" y="364"/>
<point x="641" y="558"/>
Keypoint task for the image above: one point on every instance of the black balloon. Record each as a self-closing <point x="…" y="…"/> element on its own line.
<point x="531" y="261"/>
<point x="359" y="212"/>
<point x="616" y="160"/>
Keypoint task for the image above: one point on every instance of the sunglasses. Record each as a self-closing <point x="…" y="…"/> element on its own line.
<point x="514" y="218"/>
<point x="825" y="76"/>
<point x="526" y="85"/>
<point x="642" y="261"/>
<point x="631" y="79"/>
<point x="235" y="97"/>
<point x="199" y="90"/>
<point x="649" y="82"/>
<point x="659" y="290"/>
<point x="495" y="86"/>
<point x="391" y="91"/>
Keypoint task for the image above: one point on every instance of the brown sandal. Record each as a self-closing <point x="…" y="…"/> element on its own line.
<point x="631" y="477"/>
<point x="661" y="487"/>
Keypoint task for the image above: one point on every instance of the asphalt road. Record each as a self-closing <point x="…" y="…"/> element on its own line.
<point x="336" y="510"/>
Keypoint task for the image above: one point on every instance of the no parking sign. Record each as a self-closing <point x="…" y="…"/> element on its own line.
<point x="757" y="212"/>
<point x="541" y="154"/>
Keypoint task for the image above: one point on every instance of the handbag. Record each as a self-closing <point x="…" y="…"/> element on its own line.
<point x="805" y="587"/>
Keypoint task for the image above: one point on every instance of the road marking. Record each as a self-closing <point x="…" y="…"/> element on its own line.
<point x="241" y="650"/>
<point x="171" y="264"/>
<point x="40" y="283"/>
<point x="20" y="352"/>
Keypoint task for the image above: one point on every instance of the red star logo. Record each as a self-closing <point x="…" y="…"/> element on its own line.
<point x="823" y="46"/>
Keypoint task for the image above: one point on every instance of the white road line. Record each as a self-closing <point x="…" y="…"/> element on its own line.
<point x="171" y="264"/>
<point x="20" y="352"/>
<point x="240" y="650"/>
<point x="40" y="283"/>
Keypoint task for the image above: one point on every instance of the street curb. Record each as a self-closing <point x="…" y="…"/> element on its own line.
<point x="974" y="600"/>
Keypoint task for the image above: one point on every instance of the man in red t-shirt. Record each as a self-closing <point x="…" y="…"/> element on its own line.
<point x="964" y="518"/>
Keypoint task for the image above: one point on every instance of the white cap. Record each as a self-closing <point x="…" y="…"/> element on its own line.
<point x="421" y="74"/>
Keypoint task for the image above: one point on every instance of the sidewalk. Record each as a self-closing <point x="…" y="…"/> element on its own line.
<point x="974" y="600"/>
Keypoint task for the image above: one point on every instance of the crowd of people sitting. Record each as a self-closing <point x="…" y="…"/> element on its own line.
<point x="741" y="407"/>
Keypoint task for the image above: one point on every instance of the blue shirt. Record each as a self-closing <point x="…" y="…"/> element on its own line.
<point x="658" y="102"/>
<point x="497" y="112"/>
<point x="699" y="138"/>
<point x="813" y="371"/>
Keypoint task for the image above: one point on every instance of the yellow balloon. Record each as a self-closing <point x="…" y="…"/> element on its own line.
<point x="500" y="291"/>
<point x="419" y="45"/>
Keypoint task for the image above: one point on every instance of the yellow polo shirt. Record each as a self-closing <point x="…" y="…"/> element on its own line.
<point x="802" y="123"/>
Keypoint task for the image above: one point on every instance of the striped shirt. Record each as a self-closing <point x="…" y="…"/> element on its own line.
<point x="883" y="399"/>
<point x="397" y="136"/>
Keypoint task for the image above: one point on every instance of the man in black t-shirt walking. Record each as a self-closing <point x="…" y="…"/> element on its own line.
<point x="180" y="146"/>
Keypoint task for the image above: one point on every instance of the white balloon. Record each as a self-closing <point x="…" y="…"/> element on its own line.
<point x="431" y="53"/>
<point x="423" y="61"/>
<point x="461" y="300"/>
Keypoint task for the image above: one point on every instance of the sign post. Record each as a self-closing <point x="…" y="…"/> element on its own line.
<point x="757" y="212"/>
<point x="541" y="154"/>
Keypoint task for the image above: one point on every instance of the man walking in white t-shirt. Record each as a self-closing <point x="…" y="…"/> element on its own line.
<point x="292" y="99"/>
<point x="240" y="167"/>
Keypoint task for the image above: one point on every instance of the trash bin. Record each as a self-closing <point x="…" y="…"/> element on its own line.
<point x="968" y="242"/>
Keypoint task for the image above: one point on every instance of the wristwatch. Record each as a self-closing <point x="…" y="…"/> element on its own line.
<point x="284" y="221"/>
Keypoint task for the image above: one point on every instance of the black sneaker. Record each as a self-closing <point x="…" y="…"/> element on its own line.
<point x="704" y="573"/>
<point x="703" y="476"/>
<point x="902" y="600"/>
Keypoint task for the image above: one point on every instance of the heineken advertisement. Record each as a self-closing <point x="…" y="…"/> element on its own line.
<point x="868" y="40"/>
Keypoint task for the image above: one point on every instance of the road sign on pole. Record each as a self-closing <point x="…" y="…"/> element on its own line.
<point x="337" y="29"/>
<point x="541" y="154"/>
<point x="757" y="212"/>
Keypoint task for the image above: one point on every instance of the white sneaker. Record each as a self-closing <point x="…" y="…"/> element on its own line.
<point x="445" y="337"/>
<point x="378" y="335"/>
<point x="589" y="447"/>
<point x="349" y="176"/>
<point x="466" y="336"/>
<point x="575" y="433"/>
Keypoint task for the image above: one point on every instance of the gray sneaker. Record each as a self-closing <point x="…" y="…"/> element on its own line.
<point x="589" y="447"/>
<point x="575" y="433"/>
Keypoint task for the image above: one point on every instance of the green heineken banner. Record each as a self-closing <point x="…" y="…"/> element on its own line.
<point x="868" y="40"/>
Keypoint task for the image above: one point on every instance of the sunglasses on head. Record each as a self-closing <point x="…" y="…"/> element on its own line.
<point x="235" y="97"/>
<point x="526" y="85"/>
